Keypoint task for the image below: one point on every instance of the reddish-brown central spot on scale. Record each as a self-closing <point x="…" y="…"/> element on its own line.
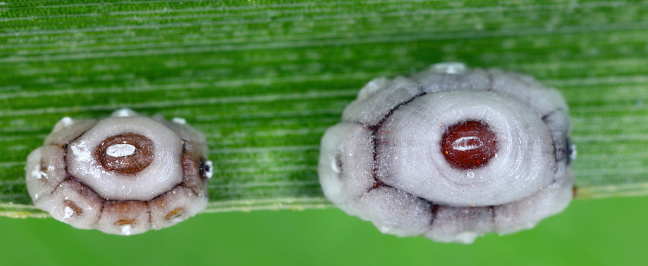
<point x="125" y="153"/>
<point x="468" y="145"/>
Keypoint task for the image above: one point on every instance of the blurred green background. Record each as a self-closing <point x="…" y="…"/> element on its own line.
<point x="590" y="232"/>
<point x="264" y="79"/>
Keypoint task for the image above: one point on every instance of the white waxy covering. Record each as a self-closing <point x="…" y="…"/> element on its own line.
<point x="411" y="160"/>
<point x="164" y="173"/>
<point x="123" y="175"/>
<point x="384" y="163"/>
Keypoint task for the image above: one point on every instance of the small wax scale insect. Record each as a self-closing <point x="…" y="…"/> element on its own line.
<point x="124" y="174"/>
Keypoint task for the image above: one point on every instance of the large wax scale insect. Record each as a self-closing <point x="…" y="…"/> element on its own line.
<point x="450" y="153"/>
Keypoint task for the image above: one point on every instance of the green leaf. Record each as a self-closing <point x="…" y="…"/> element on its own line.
<point x="265" y="79"/>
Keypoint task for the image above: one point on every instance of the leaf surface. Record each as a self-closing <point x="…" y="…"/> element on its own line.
<point x="264" y="79"/>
